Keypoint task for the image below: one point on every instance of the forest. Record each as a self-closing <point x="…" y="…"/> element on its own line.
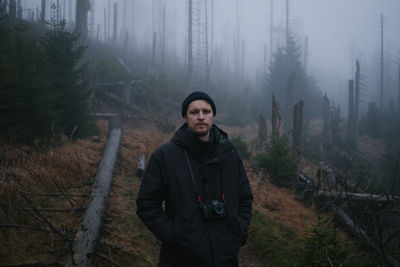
<point x="320" y="141"/>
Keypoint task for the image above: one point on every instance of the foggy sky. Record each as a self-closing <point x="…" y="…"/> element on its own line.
<point x="338" y="32"/>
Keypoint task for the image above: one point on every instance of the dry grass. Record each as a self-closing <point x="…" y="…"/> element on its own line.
<point x="26" y="176"/>
<point x="124" y="239"/>
<point x="279" y="203"/>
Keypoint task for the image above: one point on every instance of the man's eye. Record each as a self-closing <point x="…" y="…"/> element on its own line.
<point x="206" y="111"/>
<point x="194" y="112"/>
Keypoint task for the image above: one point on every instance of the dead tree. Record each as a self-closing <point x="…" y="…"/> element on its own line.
<point x="13" y="11"/>
<point x="276" y="119"/>
<point x="326" y="131"/>
<point x="262" y="132"/>
<point x="271" y="32"/>
<point x="356" y="196"/>
<point x="189" y="75"/>
<point x="398" y="96"/>
<point x="19" y="9"/>
<point x="350" y="117"/>
<point x="356" y="229"/>
<point x="153" y="53"/>
<point x="82" y="9"/>
<point x="163" y="41"/>
<point x="115" y="25"/>
<point x="43" y="13"/>
<point x="381" y="84"/>
<point x="92" y="19"/>
<point x="357" y="99"/>
<point x="86" y="239"/>
<point x="297" y="130"/>
<point x="289" y="103"/>
<point x="207" y="47"/>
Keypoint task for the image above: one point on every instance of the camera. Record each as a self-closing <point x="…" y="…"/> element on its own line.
<point x="213" y="209"/>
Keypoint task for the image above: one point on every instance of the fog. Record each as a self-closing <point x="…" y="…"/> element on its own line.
<point x="337" y="33"/>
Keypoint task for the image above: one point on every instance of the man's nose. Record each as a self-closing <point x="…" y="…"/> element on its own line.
<point x="201" y="115"/>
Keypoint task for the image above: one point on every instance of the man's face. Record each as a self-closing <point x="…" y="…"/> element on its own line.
<point x="199" y="117"/>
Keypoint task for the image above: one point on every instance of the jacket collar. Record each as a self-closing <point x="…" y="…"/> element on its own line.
<point x="205" y="151"/>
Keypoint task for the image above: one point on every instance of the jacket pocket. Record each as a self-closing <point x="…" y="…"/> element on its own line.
<point x="189" y="230"/>
<point x="237" y="228"/>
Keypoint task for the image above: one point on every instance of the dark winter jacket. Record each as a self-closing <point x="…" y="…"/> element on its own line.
<point x="189" y="239"/>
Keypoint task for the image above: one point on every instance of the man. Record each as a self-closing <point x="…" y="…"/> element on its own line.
<point x="201" y="180"/>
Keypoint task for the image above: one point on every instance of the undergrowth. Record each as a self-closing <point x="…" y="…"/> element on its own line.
<point x="274" y="244"/>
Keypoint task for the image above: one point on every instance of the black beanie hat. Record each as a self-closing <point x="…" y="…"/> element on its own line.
<point x="196" y="95"/>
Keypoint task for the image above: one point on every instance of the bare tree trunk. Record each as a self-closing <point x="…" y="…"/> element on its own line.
<point x="276" y="119"/>
<point x="163" y="38"/>
<point x="105" y="26"/>
<point x="153" y="54"/>
<point x="70" y="12"/>
<point x="326" y="131"/>
<point x="242" y="67"/>
<point x="287" y="23"/>
<point x="19" y="9"/>
<point x="115" y="25"/>
<point x="350" y="117"/>
<point x="13" y="11"/>
<point x="92" y="25"/>
<point x="206" y="42"/>
<point x="265" y="60"/>
<point x="43" y="13"/>
<point x="108" y="20"/>
<point x="305" y="58"/>
<point x="381" y="84"/>
<point x="398" y="77"/>
<point x="58" y="12"/>
<point x="236" y="44"/>
<point x="297" y="130"/>
<point x="289" y="103"/>
<point x="190" y="46"/>
<point x="357" y="100"/>
<point x="82" y="9"/>
<point x="271" y="32"/>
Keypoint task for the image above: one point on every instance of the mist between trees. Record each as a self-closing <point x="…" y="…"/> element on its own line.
<point x="56" y="55"/>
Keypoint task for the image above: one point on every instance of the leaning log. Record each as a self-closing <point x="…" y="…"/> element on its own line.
<point x="356" y="196"/>
<point x="86" y="239"/>
<point x="119" y="101"/>
<point x="342" y="216"/>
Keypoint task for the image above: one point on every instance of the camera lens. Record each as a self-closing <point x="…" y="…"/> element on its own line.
<point x="219" y="209"/>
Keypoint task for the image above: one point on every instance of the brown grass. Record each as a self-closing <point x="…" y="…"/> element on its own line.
<point x="124" y="239"/>
<point x="25" y="175"/>
<point x="279" y="203"/>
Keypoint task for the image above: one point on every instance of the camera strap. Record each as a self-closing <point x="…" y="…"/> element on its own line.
<point x="194" y="180"/>
<point x="191" y="174"/>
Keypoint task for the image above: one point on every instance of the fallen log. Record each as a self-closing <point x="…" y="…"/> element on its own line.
<point x="104" y="115"/>
<point x="356" y="196"/>
<point x="119" y="101"/>
<point x="342" y="216"/>
<point x="86" y="239"/>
